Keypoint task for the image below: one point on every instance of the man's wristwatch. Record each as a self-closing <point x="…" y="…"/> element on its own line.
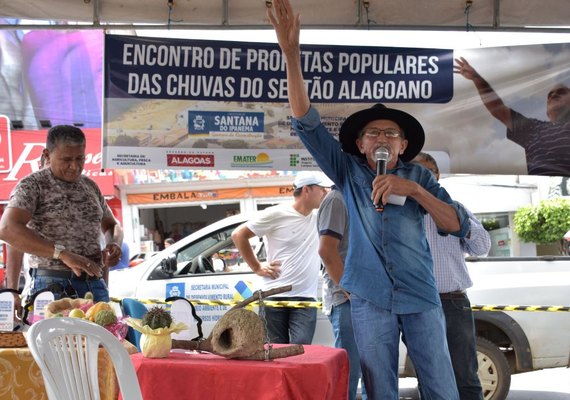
<point x="57" y="249"/>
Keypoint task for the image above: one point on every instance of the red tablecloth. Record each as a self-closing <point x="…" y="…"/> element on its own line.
<point x="320" y="373"/>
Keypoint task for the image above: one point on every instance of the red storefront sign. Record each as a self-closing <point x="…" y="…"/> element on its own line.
<point x="21" y="156"/>
<point x="5" y="147"/>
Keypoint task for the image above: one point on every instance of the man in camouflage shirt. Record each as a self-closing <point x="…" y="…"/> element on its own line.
<point x="57" y="215"/>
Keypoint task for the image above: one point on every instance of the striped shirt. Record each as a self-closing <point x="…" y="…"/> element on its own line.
<point x="449" y="252"/>
<point x="546" y="144"/>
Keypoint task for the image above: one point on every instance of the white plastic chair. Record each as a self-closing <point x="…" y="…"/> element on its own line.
<point x="66" y="350"/>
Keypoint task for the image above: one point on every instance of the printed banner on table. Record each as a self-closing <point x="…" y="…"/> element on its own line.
<point x="179" y="103"/>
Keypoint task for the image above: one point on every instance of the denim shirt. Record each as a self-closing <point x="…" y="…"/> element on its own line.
<point x="389" y="261"/>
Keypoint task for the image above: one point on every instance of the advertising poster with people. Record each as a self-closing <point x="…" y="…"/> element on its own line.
<point x="223" y="105"/>
<point x="184" y="104"/>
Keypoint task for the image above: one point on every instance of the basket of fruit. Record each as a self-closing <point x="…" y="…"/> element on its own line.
<point x="101" y="313"/>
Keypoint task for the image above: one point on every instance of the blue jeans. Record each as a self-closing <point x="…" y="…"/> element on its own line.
<point x="341" y="320"/>
<point x="291" y="325"/>
<point x="462" y="347"/>
<point x="377" y="334"/>
<point x="68" y="287"/>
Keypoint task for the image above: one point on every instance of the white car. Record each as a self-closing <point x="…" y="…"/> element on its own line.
<point x="207" y="268"/>
<point x="204" y="266"/>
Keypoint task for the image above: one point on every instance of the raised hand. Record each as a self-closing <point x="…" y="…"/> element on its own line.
<point x="286" y="24"/>
<point x="465" y="69"/>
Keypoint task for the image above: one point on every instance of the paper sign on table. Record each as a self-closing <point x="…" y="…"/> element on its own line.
<point x="7" y="311"/>
<point x="42" y="300"/>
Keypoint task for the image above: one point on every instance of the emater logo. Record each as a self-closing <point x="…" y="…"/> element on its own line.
<point x="190" y="160"/>
<point x="261" y="160"/>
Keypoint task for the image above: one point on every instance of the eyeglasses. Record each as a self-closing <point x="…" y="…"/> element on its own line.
<point x="391" y="133"/>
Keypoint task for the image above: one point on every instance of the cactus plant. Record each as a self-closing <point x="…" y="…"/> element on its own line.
<point x="157" y="317"/>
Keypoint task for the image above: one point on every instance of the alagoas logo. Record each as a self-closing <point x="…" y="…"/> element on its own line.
<point x="262" y="160"/>
<point x="190" y="160"/>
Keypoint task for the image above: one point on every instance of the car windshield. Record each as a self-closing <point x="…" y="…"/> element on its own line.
<point x="207" y="244"/>
<point x="214" y="253"/>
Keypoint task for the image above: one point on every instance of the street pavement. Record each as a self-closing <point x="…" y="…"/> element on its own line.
<point x="548" y="384"/>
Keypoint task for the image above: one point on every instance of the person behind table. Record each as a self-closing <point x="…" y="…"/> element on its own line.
<point x="56" y="215"/>
<point x="389" y="269"/>
<point x="332" y="220"/>
<point x="546" y="143"/>
<point x="125" y="258"/>
<point x="452" y="280"/>
<point x="290" y="234"/>
<point x="15" y="262"/>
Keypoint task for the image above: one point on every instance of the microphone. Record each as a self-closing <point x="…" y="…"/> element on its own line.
<point x="382" y="157"/>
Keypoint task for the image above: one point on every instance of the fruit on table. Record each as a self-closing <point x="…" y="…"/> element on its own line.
<point x="77" y="313"/>
<point x="96" y="308"/>
<point x="105" y="317"/>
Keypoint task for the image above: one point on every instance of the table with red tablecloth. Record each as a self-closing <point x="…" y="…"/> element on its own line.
<point x="320" y="373"/>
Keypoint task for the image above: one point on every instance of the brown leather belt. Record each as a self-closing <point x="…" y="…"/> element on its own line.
<point x="54" y="273"/>
<point x="456" y="295"/>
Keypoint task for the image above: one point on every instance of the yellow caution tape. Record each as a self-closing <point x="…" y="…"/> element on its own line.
<point x="213" y="302"/>
<point x="319" y="304"/>
<point x="475" y="307"/>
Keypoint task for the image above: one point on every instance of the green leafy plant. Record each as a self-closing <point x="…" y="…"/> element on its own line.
<point x="544" y="223"/>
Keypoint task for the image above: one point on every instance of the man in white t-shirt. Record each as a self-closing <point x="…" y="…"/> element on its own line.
<point x="290" y="235"/>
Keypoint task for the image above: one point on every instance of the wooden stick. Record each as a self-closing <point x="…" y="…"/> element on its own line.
<point x="197" y="345"/>
<point x="205" y="345"/>
<point x="279" y="352"/>
<point x="262" y="294"/>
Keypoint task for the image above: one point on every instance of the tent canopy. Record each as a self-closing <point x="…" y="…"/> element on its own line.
<point x="481" y="15"/>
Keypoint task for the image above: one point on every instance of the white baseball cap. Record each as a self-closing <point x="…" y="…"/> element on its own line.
<point x="305" y="178"/>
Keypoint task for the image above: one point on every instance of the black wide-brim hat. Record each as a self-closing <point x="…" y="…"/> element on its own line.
<point x="413" y="130"/>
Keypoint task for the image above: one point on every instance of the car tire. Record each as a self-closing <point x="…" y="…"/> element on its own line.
<point x="494" y="371"/>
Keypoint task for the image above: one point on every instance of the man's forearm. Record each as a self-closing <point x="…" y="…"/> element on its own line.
<point x="241" y="237"/>
<point x="106" y="274"/>
<point x="247" y="254"/>
<point x="492" y="101"/>
<point x="298" y="97"/>
<point x="114" y="234"/>
<point x="13" y="277"/>
<point x="14" y="260"/>
<point x="479" y="242"/>
<point x="335" y="269"/>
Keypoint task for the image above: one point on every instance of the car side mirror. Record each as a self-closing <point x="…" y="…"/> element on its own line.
<point x="169" y="264"/>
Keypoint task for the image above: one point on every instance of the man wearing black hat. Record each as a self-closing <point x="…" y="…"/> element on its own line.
<point x="388" y="269"/>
